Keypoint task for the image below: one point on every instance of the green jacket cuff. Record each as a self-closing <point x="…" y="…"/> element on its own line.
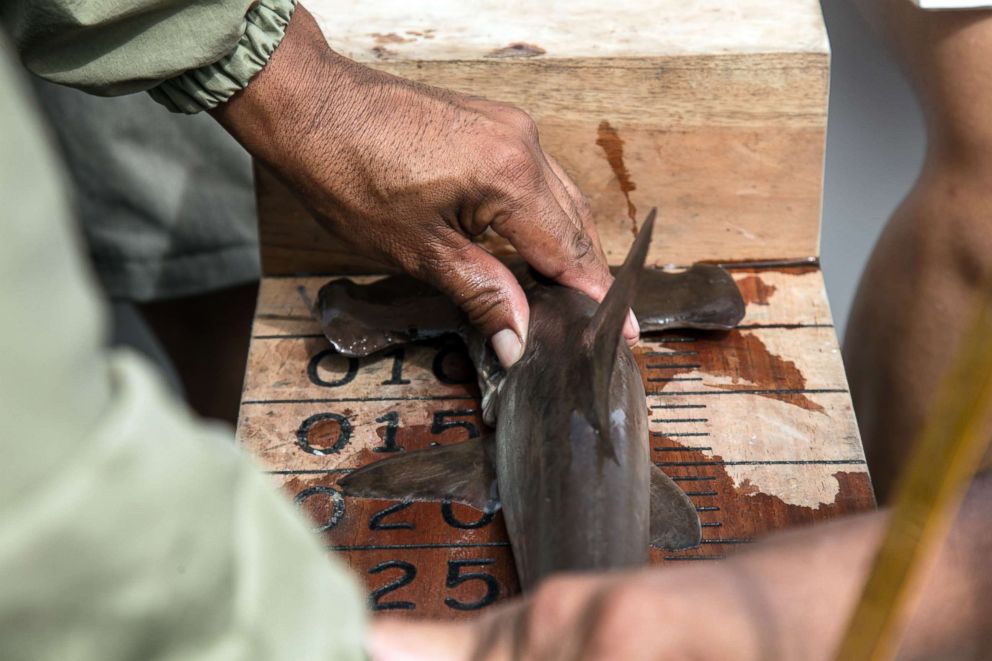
<point x="211" y="85"/>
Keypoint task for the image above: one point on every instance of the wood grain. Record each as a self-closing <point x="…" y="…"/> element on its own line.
<point x="435" y="30"/>
<point x="718" y="119"/>
<point x="728" y="144"/>
<point x="755" y="424"/>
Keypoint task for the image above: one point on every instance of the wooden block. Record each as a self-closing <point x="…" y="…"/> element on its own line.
<point x="755" y="424"/>
<point x="714" y="112"/>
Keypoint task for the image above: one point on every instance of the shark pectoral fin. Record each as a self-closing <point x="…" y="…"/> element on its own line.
<point x="705" y="296"/>
<point x="362" y="319"/>
<point x="461" y="473"/>
<point x="674" y="521"/>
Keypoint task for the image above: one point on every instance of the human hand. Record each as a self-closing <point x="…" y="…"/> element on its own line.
<point x="696" y="613"/>
<point x="408" y="174"/>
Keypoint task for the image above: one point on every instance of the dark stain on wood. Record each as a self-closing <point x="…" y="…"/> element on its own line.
<point x="382" y="52"/>
<point x="730" y="355"/>
<point x="517" y="49"/>
<point x="742" y="511"/>
<point x="796" y="270"/>
<point x="324" y="434"/>
<point x="755" y="290"/>
<point x="389" y="38"/>
<point x="608" y="139"/>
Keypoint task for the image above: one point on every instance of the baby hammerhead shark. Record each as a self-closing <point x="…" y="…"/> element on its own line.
<point x="569" y="462"/>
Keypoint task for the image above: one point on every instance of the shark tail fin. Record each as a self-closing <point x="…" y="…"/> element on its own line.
<point x="606" y="326"/>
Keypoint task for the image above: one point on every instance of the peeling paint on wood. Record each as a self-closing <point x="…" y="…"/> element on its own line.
<point x="760" y="437"/>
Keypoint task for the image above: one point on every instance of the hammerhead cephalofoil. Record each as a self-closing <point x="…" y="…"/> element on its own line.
<point x="569" y="462"/>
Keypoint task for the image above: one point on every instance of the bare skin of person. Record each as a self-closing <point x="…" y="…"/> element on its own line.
<point x="402" y="172"/>
<point x="408" y="174"/>
<point x="917" y="292"/>
<point x="790" y="596"/>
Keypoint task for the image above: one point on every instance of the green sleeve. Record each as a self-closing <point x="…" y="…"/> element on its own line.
<point x="191" y="55"/>
<point x="128" y="529"/>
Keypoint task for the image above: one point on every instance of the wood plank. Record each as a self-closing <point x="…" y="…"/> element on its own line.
<point x="784" y="295"/>
<point x="306" y="368"/>
<point x="723" y="195"/>
<point x="723" y="131"/>
<point x="755" y="424"/>
<point x="443" y="30"/>
<point x="719" y="120"/>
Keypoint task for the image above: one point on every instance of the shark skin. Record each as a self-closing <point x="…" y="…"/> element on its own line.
<point x="575" y="489"/>
<point x="569" y="462"/>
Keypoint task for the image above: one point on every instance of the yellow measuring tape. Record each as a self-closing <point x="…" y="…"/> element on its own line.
<point x="948" y="453"/>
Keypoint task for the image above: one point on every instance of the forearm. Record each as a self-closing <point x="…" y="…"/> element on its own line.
<point x="804" y="586"/>
<point x="945" y="54"/>
<point x="916" y="293"/>
<point x="788" y="597"/>
<point x="302" y="113"/>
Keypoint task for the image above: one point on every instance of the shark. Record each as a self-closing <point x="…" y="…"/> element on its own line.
<point x="569" y="461"/>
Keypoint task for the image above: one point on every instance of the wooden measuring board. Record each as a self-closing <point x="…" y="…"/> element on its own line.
<point x="715" y="113"/>
<point x="756" y="425"/>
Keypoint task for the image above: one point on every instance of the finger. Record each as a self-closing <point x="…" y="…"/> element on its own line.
<point x="583" y="213"/>
<point x="562" y="196"/>
<point x="545" y="236"/>
<point x="392" y="639"/>
<point x="581" y="204"/>
<point x="482" y="286"/>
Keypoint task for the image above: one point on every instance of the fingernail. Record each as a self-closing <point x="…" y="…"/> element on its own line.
<point x="507" y="346"/>
<point x="636" y="326"/>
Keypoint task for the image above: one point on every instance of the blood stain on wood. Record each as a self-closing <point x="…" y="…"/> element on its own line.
<point x="853" y="489"/>
<point x="740" y="352"/>
<point x="609" y="140"/>
<point x="745" y="512"/>
<point x="517" y="49"/>
<point x="755" y="290"/>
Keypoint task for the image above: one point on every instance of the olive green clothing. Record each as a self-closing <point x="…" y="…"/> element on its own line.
<point x="128" y="530"/>
<point x="191" y="55"/>
<point x="167" y="210"/>
<point x="166" y="201"/>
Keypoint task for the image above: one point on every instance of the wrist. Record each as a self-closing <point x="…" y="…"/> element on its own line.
<point x="304" y="89"/>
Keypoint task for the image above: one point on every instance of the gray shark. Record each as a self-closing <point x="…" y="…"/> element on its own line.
<point x="569" y="462"/>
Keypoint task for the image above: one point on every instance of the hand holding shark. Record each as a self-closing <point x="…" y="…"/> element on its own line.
<point x="569" y="462"/>
<point x="408" y="174"/>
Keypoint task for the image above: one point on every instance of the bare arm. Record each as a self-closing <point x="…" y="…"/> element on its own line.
<point x="788" y="598"/>
<point x="915" y="296"/>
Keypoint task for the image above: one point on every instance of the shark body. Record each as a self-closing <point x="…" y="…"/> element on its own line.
<point x="569" y="462"/>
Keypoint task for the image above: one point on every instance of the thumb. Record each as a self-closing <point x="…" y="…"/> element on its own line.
<point x="488" y="293"/>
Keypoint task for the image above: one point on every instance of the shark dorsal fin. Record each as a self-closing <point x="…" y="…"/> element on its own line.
<point x="606" y="326"/>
